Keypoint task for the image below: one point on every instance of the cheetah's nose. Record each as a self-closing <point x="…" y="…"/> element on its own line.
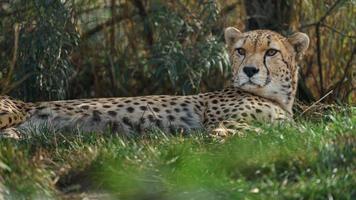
<point x="250" y="71"/>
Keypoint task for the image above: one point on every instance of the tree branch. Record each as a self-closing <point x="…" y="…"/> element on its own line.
<point x="143" y="13"/>
<point x="318" y="56"/>
<point x="317" y="25"/>
<point x="328" y="12"/>
<point x="337" y="31"/>
<point x="321" y="19"/>
<point x="338" y="85"/>
<point x="105" y="24"/>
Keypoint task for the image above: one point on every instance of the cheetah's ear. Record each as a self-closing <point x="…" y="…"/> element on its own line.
<point x="231" y="35"/>
<point x="300" y="43"/>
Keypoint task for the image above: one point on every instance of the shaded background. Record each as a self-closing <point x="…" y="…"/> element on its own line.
<point x="52" y="49"/>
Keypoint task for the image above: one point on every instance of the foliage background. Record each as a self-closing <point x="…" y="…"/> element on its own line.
<point x="51" y="49"/>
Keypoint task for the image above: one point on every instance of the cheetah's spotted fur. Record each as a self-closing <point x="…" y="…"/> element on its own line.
<point x="264" y="85"/>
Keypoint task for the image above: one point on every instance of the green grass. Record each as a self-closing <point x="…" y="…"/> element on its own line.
<point x="309" y="159"/>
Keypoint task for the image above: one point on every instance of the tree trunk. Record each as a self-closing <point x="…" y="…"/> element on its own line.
<point x="268" y="14"/>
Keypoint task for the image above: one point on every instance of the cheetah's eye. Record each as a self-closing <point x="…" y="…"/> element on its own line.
<point x="241" y="51"/>
<point x="271" y="52"/>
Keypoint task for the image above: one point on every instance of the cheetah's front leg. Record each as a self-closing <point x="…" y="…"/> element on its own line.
<point x="10" y="133"/>
<point x="230" y="127"/>
<point x="239" y="127"/>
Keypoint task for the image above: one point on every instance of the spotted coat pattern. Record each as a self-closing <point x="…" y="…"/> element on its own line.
<point x="169" y="113"/>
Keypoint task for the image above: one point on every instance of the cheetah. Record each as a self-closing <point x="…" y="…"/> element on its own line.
<point x="264" y="83"/>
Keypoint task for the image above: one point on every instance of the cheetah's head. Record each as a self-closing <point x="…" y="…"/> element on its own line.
<point x="264" y="63"/>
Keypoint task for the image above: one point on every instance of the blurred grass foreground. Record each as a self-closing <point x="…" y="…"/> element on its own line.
<point x="309" y="159"/>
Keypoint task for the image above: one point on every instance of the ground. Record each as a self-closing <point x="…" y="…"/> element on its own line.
<point x="313" y="158"/>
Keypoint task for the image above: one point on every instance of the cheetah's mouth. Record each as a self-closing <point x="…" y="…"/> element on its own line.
<point x="252" y="83"/>
<point x="249" y="82"/>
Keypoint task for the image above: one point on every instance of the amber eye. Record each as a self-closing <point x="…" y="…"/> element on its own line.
<point x="241" y="51"/>
<point x="271" y="52"/>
